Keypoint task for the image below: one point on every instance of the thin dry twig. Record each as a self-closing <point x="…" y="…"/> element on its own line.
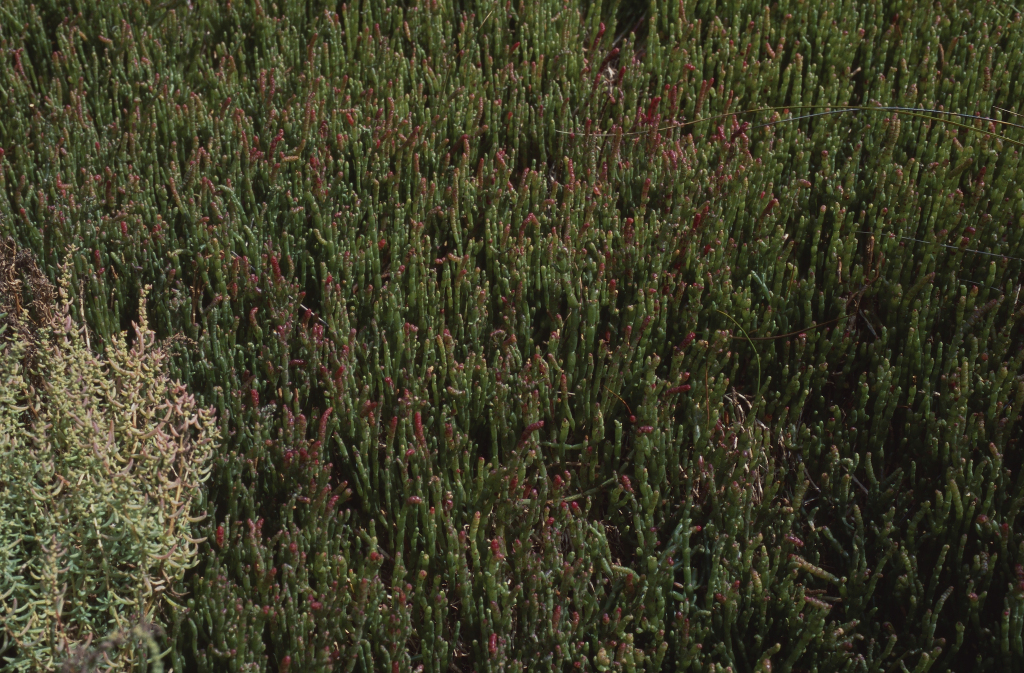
<point x="924" y="113"/>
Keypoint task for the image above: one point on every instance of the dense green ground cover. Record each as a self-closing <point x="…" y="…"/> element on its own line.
<point x="519" y="369"/>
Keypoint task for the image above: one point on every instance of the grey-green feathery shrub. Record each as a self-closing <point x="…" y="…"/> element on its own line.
<point x="102" y="462"/>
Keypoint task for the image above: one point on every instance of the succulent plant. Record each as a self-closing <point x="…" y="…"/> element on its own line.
<point x="560" y="335"/>
<point x="101" y="468"/>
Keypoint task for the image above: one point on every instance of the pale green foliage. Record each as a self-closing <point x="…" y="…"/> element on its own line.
<point x="102" y="463"/>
